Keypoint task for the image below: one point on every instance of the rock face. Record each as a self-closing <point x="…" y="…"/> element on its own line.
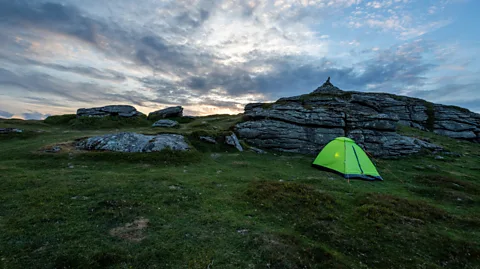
<point x="113" y="110"/>
<point x="165" y="123"/>
<point x="304" y="124"/>
<point x="133" y="142"/>
<point x="232" y="140"/>
<point x="176" y="111"/>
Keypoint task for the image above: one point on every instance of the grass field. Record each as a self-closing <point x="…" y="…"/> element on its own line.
<point x="217" y="208"/>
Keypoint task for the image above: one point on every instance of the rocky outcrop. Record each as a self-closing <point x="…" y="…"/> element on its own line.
<point x="304" y="124"/>
<point x="456" y="123"/>
<point x="133" y="142"/>
<point x="165" y="123"/>
<point x="169" y="112"/>
<point x="113" y="110"/>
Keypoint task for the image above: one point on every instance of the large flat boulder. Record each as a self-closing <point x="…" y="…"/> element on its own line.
<point x="169" y="112"/>
<point x="112" y="110"/>
<point x="165" y="123"/>
<point x="133" y="142"/>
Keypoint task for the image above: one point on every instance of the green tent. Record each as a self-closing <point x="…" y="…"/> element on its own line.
<point x="345" y="157"/>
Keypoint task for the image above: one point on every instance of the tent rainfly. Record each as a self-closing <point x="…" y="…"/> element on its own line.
<point x="344" y="157"/>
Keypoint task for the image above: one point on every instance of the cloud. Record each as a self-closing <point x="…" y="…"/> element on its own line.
<point x="453" y="94"/>
<point x="51" y="16"/>
<point x="34" y="115"/>
<point x="87" y="71"/>
<point x="217" y="53"/>
<point x="33" y="84"/>
<point x="5" y="114"/>
<point x="398" y="66"/>
<point x="392" y="69"/>
<point x="398" y="18"/>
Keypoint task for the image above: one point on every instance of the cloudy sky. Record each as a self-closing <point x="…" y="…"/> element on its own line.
<point x="215" y="56"/>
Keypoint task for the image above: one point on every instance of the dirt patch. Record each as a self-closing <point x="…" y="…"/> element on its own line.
<point x="131" y="231"/>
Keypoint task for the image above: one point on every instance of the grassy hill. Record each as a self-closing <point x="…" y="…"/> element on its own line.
<point x="217" y="208"/>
